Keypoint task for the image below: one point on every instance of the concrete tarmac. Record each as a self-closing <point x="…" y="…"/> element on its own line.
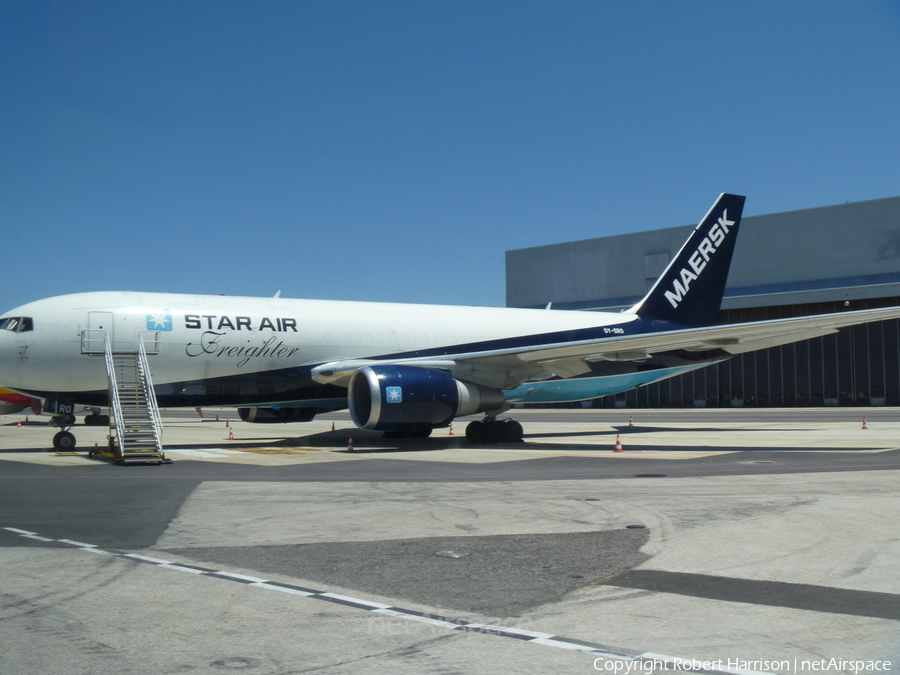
<point x="737" y="540"/>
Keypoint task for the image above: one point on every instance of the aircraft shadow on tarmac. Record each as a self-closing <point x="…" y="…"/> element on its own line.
<point x="373" y="442"/>
<point x="625" y="429"/>
<point x="504" y="575"/>
<point x="336" y="441"/>
<point x="11" y="451"/>
<point x="368" y="442"/>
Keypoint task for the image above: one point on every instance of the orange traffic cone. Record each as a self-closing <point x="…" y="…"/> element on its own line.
<point x="19" y="425"/>
<point x="217" y="417"/>
<point x="227" y="424"/>
<point x="231" y="434"/>
<point x="631" y="421"/>
<point x="618" y="445"/>
<point x="864" y="423"/>
<point x="332" y="427"/>
<point x="350" y="444"/>
<point x="451" y="429"/>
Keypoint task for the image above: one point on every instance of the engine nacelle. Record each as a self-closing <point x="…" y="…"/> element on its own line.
<point x="399" y="398"/>
<point x="275" y="415"/>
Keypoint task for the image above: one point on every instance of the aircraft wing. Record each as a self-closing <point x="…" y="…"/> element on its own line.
<point x="509" y="367"/>
<point x="568" y="359"/>
<point x="732" y="338"/>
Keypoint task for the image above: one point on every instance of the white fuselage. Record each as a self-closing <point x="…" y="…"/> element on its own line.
<point x="198" y="338"/>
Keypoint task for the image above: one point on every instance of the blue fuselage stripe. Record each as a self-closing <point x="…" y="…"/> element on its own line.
<point x="632" y="327"/>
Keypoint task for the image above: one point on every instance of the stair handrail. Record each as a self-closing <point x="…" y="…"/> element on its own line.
<point x="114" y="393"/>
<point x="152" y="336"/>
<point x="89" y="337"/>
<point x="149" y="392"/>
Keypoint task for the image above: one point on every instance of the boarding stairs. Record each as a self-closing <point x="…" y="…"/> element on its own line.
<point x="135" y="425"/>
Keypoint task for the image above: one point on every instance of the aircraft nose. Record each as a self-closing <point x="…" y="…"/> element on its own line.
<point x="8" y="358"/>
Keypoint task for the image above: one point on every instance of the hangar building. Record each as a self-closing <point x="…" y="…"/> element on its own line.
<point x="798" y="263"/>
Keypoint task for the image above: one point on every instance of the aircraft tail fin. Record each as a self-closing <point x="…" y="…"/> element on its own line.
<point x="690" y="291"/>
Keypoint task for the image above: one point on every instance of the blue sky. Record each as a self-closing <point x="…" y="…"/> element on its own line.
<point x="395" y="150"/>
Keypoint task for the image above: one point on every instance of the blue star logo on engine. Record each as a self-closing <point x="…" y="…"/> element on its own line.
<point x="159" y="321"/>
<point x="394" y="394"/>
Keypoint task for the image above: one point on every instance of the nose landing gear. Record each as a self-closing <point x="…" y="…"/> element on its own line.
<point x="64" y="439"/>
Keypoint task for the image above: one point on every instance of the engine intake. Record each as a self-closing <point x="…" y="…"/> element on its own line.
<point x="400" y="398"/>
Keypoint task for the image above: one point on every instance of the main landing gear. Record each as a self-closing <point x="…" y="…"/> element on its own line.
<point x="95" y="419"/>
<point x="492" y="430"/>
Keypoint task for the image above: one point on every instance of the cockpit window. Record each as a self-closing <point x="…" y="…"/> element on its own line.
<point x="17" y="324"/>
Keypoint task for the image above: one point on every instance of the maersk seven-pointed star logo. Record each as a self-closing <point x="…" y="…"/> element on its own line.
<point x="394" y="394"/>
<point x="159" y="321"/>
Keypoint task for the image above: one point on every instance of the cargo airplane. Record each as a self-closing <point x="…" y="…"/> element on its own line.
<point x="401" y="368"/>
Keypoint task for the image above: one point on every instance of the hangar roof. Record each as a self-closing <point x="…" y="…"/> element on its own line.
<point x="842" y="252"/>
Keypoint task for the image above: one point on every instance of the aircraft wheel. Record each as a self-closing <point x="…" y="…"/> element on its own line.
<point x="421" y="433"/>
<point x="481" y="432"/>
<point x="64" y="441"/>
<point x="102" y="420"/>
<point x="90" y="420"/>
<point x="512" y="431"/>
<point x="473" y="432"/>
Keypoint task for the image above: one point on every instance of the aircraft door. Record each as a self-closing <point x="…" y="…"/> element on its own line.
<point x="97" y="322"/>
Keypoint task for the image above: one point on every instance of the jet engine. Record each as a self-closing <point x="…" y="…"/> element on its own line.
<point x="275" y="415"/>
<point x="411" y="399"/>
